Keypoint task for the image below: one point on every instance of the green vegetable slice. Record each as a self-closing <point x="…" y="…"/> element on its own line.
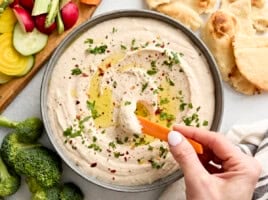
<point x="28" y="43"/>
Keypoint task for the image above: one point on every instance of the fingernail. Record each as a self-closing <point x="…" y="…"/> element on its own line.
<point x="174" y="138"/>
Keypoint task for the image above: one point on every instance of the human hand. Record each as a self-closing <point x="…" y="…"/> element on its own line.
<point x="235" y="179"/>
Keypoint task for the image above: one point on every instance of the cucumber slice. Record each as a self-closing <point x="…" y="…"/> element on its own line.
<point x="60" y="25"/>
<point x="40" y="7"/>
<point x="4" y="78"/>
<point x="52" y="12"/>
<point x="28" y="43"/>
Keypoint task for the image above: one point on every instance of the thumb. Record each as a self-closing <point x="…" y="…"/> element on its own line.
<point x="185" y="155"/>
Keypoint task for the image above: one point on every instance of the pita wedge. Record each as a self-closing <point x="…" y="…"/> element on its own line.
<point x="185" y="11"/>
<point x="182" y="13"/>
<point x="260" y="18"/>
<point x="153" y="4"/>
<point x="251" y="59"/>
<point x="258" y="15"/>
<point x="218" y="33"/>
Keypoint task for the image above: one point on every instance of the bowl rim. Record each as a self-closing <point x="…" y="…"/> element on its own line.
<point x="91" y="23"/>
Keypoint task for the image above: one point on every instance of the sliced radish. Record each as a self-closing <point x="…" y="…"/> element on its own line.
<point x="28" y="4"/>
<point x="40" y="24"/>
<point x="69" y="14"/>
<point x="24" y="18"/>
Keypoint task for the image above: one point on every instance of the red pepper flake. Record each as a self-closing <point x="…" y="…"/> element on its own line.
<point x="113" y="171"/>
<point x="77" y="102"/>
<point x="101" y="72"/>
<point x="108" y="65"/>
<point x="84" y="75"/>
<point x="78" y="117"/>
<point x="127" y="152"/>
<point x="125" y="158"/>
<point x="158" y="111"/>
<point x="93" y="164"/>
<point x="70" y="142"/>
<point x="113" y="178"/>
<point x="108" y="150"/>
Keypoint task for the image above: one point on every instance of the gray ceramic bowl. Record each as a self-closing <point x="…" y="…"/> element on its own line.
<point x="87" y="25"/>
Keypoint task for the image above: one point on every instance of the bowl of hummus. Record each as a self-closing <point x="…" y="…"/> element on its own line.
<point x="116" y="67"/>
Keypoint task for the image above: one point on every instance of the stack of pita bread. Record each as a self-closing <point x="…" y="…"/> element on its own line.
<point x="232" y="33"/>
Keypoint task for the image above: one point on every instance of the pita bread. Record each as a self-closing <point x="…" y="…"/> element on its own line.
<point x="251" y="59"/>
<point x="260" y="19"/>
<point x="258" y="3"/>
<point x="153" y="4"/>
<point x="182" y="13"/>
<point x="241" y="9"/>
<point x="241" y="84"/>
<point x="217" y="34"/>
<point x="185" y="11"/>
<point x="255" y="3"/>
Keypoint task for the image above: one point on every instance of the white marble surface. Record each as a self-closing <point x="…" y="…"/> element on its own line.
<point x="237" y="109"/>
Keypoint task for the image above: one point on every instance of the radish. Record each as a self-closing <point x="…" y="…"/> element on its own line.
<point x="24" y="18"/>
<point x="40" y="24"/>
<point x="69" y="14"/>
<point x="14" y="3"/>
<point x="28" y="4"/>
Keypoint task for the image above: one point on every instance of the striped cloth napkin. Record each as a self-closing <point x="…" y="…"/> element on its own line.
<point x="252" y="140"/>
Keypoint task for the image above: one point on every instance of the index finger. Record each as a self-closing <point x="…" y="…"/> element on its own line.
<point x="220" y="146"/>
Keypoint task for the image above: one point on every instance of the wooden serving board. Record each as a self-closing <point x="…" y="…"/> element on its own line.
<point x="10" y="90"/>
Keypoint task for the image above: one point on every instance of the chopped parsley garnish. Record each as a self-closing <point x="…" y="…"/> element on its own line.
<point x="112" y="144"/>
<point x="164" y="101"/>
<point x="70" y="132"/>
<point x="98" y="49"/>
<point x="133" y="47"/>
<point x="182" y="106"/>
<point x="114" y="84"/>
<point x="144" y="86"/>
<point x="156" y="165"/>
<point x="166" y="116"/>
<point x="139" y="140"/>
<point x="150" y="148"/>
<point x="119" y="141"/>
<point x="170" y="82"/>
<point x="205" y="123"/>
<point x="163" y="152"/>
<point x="172" y="59"/>
<point x="117" y="154"/>
<point x="89" y="41"/>
<point x="127" y="103"/>
<point x="95" y="147"/>
<point x="76" y="71"/>
<point x="123" y="47"/>
<point x="95" y="50"/>
<point x="126" y="139"/>
<point x="91" y="107"/>
<point x="114" y="30"/>
<point x="145" y="45"/>
<point x="153" y="70"/>
<point x="94" y="139"/>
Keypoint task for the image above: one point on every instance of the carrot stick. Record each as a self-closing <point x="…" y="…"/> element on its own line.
<point x="161" y="133"/>
<point x="91" y="2"/>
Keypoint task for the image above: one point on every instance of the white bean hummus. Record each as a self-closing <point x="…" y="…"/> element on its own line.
<point x="113" y="72"/>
